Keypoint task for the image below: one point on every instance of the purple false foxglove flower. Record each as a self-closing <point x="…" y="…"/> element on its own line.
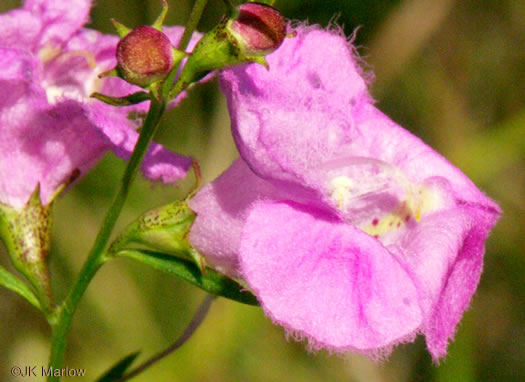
<point x="352" y="232"/>
<point x="49" y="127"/>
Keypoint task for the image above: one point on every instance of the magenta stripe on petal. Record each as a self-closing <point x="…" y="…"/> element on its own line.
<point x="326" y="280"/>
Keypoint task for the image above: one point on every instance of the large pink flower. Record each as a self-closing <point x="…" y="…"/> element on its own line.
<point x="49" y="127"/>
<point x="352" y="232"/>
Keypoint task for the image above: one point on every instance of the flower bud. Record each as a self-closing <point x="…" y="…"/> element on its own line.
<point x="144" y="56"/>
<point x="248" y="35"/>
<point x="258" y="28"/>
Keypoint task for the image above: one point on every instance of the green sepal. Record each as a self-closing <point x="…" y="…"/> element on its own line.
<point x="118" y="370"/>
<point x="13" y="283"/>
<point x="131" y="99"/>
<point x="261" y="60"/>
<point x="178" y="56"/>
<point x="212" y="282"/>
<point x="121" y="29"/>
<point x="109" y="73"/>
<point x="26" y="233"/>
<point x="217" y="49"/>
<point x="163" y="229"/>
<point x="157" y="24"/>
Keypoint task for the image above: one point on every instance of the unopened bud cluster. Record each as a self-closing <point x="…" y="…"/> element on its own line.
<point x="145" y="56"/>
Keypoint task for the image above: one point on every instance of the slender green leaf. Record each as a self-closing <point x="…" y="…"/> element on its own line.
<point x="211" y="281"/>
<point x="10" y="281"/>
<point x="119" y="369"/>
<point x="269" y="2"/>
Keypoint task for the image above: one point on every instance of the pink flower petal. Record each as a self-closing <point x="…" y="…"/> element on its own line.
<point x="326" y="280"/>
<point x="60" y="19"/>
<point x="42" y="145"/>
<point x="444" y="255"/>
<point x="221" y="208"/>
<point x="411" y="155"/>
<point x="20" y="29"/>
<point x="118" y="132"/>
<point x="297" y="114"/>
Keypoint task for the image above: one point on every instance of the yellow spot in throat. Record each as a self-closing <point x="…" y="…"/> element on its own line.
<point x="350" y="197"/>
<point x="421" y="202"/>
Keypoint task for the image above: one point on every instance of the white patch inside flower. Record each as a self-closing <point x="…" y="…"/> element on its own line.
<point x="378" y="197"/>
<point x="340" y="186"/>
<point x="91" y="36"/>
<point x="70" y="75"/>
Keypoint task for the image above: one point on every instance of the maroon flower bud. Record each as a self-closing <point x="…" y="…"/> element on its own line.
<point x="258" y="28"/>
<point x="144" y="56"/>
<point x="248" y="34"/>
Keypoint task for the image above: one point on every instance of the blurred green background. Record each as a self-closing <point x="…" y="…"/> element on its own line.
<point x="450" y="71"/>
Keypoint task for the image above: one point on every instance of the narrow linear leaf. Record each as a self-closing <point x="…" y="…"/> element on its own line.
<point x="235" y="3"/>
<point x="212" y="282"/>
<point x="269" y="2"/>
<point x="119" y="369"/>
<point x="10" y="281"/>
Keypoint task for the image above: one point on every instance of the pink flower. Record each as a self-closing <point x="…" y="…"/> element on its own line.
<point x="49" y="126"/>
<point x="351" y="231"/>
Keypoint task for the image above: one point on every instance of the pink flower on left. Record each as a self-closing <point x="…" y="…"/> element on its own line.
<point x="49" y="127"/>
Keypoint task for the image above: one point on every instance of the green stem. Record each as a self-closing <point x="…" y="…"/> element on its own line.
<point x="197" y="319"/>
<point x="191" y="25"/>
<point x="61" y="321"/>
